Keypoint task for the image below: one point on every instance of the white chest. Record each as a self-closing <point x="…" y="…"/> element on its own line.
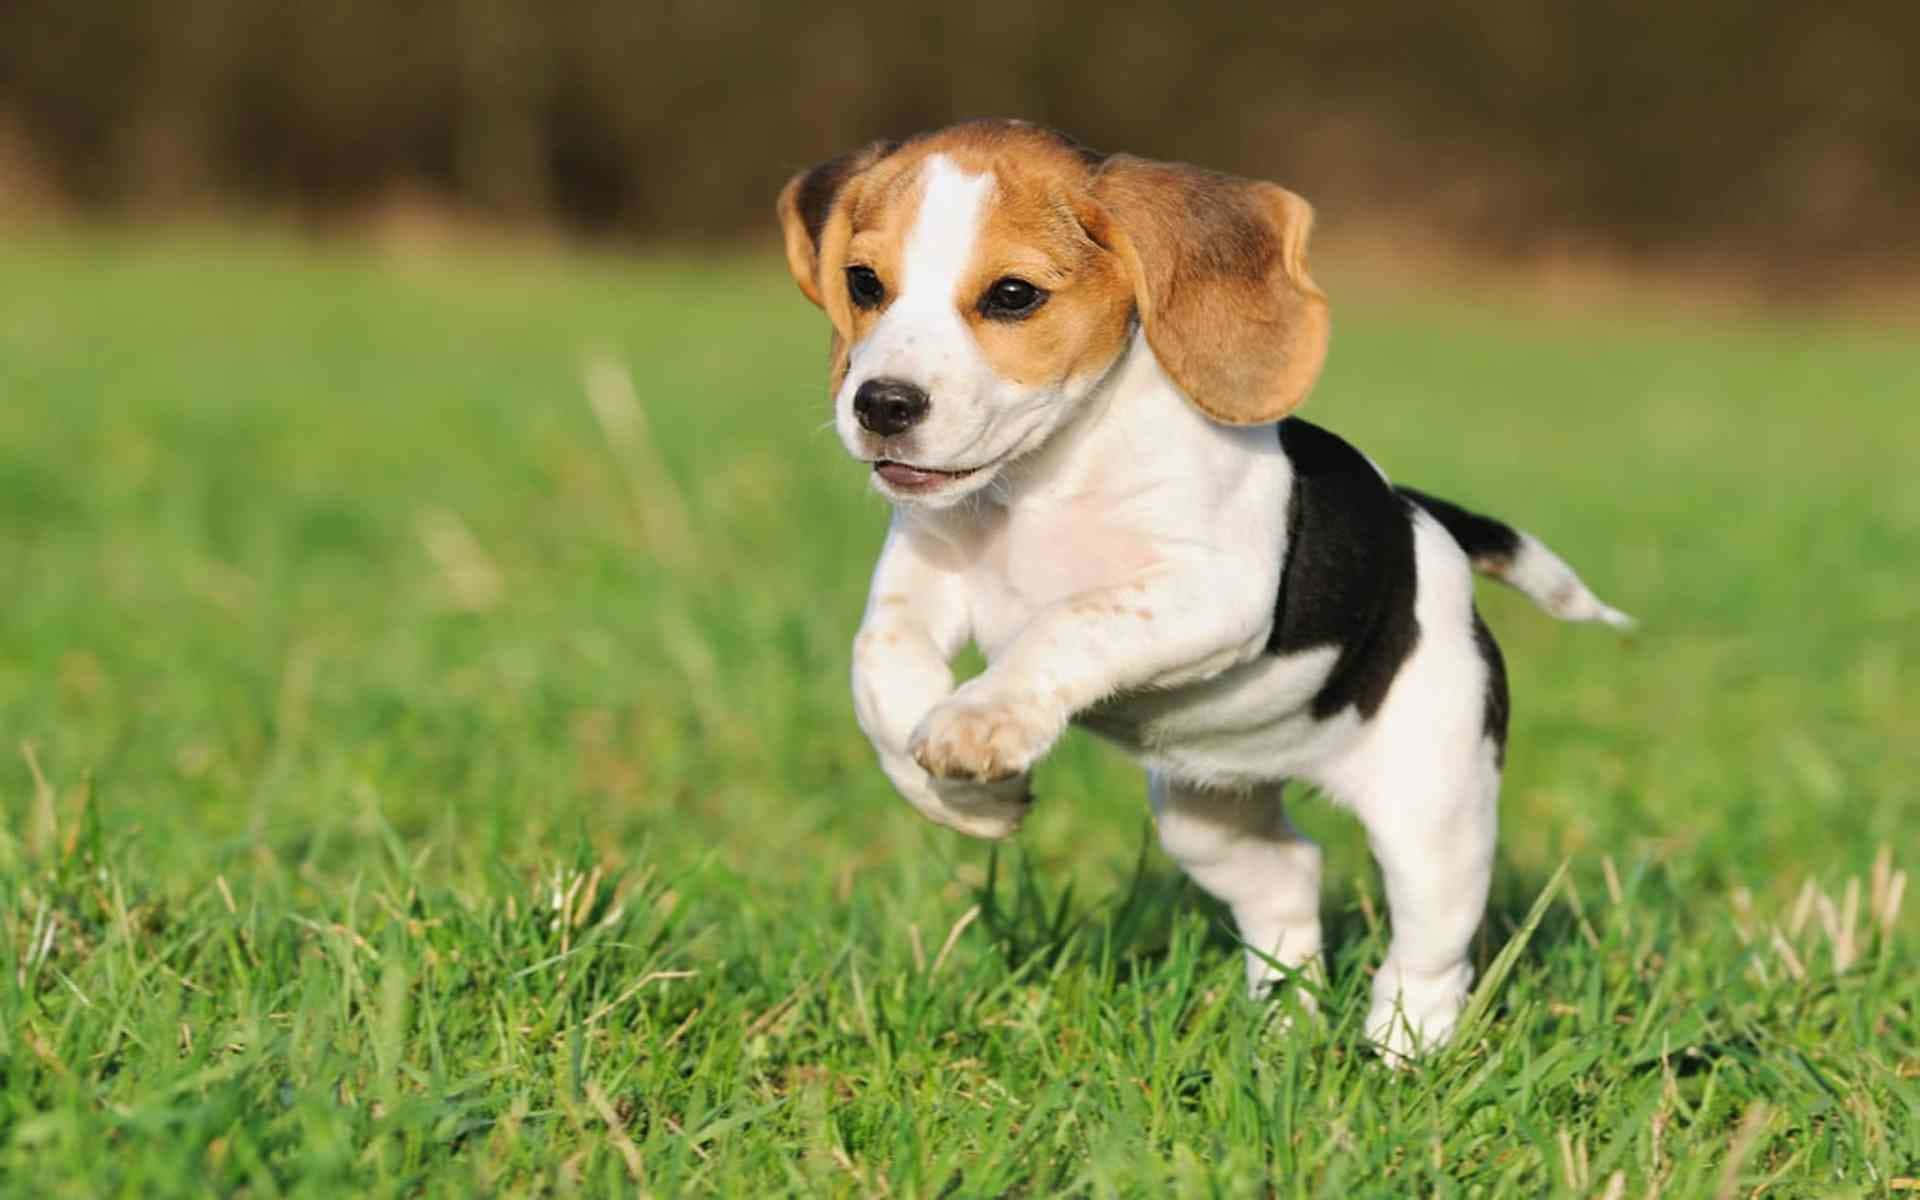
<point x="1038" y="558"/>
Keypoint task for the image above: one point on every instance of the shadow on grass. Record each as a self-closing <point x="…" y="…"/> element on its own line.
<point x="1132" y="929"/>
<point x="1159" y="913"/>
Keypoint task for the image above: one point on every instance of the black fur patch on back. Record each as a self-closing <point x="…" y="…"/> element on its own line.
<point x="1493" y="721"/>
<point x="1349" y="578"/>
<point x="1487" y="542"/>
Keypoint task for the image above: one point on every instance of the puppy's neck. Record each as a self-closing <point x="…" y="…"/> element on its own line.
<point x="1132" y="435"/>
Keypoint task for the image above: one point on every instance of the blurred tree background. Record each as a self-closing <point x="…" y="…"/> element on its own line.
<point x="1787" y="133"/>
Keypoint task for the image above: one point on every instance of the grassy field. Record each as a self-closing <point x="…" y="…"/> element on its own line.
<point x="429" y="772"/>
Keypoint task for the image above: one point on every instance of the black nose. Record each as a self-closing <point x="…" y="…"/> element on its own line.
<point x="889" y="406"/>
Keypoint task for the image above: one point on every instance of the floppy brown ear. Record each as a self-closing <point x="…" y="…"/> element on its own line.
<point x="806" y="207"/>
<point x="1219" y="272"/>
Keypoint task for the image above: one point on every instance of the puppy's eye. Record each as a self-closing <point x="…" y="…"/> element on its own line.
<point x="865" y="287"/>
<point x="1010" y="298"/>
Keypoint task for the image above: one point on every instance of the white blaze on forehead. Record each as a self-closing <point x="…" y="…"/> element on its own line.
<point x="921" y="337"/>
<point x="940" y="245"/>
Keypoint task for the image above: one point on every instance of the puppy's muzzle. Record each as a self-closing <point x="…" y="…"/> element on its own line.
<point x="889" y="406"/>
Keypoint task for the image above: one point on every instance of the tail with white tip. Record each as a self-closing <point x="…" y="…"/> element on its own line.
<point x="1521" y="561"/>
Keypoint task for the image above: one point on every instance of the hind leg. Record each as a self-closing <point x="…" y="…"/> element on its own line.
<point x="1241" y="849"/>
<point x="1431" y="819"/>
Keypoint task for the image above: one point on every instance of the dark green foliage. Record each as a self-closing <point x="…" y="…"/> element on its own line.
<point x="1786" y="129"/>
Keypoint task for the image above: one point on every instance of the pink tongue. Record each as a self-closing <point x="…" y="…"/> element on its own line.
<point x="902" y="475"/>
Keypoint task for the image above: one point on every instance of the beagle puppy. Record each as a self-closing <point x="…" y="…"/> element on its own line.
<point x="1071" y="374"/>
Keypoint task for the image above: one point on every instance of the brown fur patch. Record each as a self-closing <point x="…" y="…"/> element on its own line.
<point x="878" y="219"/>
<point x="1219" y="268"/>
<point x="1033" y="231"/>
<point x="806" y="204"/>
<point x="813" y="221"/>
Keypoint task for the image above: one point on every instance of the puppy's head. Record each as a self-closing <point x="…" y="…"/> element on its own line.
<point x="983" y="279"/>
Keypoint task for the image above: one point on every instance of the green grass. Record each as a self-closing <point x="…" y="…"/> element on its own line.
<point x="417" y="784"/>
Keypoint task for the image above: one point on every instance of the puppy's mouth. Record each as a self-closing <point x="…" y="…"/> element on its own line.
<point x="911" y="480"/>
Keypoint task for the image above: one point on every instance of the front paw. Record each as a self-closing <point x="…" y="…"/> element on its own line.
<point x="983" y="810"/>
<point x="981" y="741"/>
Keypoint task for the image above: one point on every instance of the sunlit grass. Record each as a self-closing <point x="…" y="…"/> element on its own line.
<point x="429" y="770"/>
